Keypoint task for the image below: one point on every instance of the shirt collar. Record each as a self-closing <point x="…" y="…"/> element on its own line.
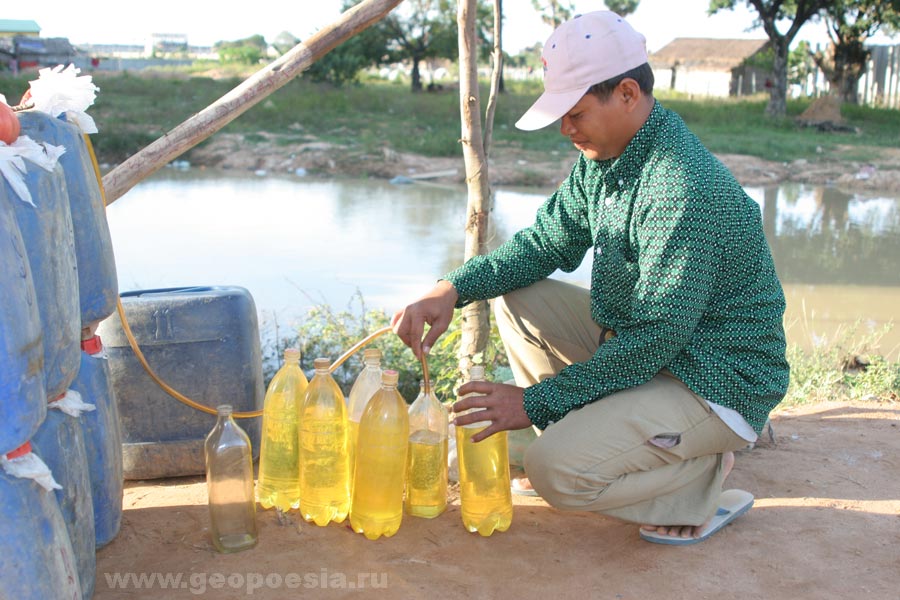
<point x="628" y="165"/>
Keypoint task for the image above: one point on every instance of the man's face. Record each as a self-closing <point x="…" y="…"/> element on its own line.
<point x="597" y="127"/>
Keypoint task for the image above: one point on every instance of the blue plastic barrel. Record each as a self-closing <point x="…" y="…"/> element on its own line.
<point x="59" y="441"/>
<point x="46" y="229"/>
<point x="102" y="439"/>
<point x="38" y="561"/>
<point x="23" y="398"/>
<point x="97" y="281"/>
<point x="204" y="343"/>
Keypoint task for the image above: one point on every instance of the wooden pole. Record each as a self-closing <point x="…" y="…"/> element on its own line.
<point x="475" y="327"/>
<point x="233" y="104"/>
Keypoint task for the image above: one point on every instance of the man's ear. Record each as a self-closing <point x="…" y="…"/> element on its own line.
<point x="629" y="93"/>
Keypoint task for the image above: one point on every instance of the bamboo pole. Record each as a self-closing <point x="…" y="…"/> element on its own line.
<point x="233" y="104"/>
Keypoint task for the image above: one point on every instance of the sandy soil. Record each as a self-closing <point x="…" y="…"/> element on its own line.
<point x="826" y="524"/>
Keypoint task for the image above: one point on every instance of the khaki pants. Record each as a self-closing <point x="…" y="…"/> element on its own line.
<point x="650" y="454"/>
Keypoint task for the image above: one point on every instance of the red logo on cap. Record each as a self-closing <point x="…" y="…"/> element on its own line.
<point x="544" y="60"/>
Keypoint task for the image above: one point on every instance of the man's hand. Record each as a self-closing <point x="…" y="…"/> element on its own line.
<point x="434" y="308"/>
<point x="501" y="404"/>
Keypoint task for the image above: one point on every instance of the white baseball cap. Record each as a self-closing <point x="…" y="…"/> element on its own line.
<point x="583" y="51"/>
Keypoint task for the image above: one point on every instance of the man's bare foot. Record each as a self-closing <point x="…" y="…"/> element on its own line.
<point x="519" y="483"/>
<point x="691" y="531"/>
<point x="522" y="484"/>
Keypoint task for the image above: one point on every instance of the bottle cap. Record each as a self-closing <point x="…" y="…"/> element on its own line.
<point x="23" y="449"/>
<point x="92" y="345"/>
<point x="371" y="353"/>
<point x="476" y="372"/>
<point x="389" y="377"/>
<point x="322" y="364"/>
<point x="291" y="354"/>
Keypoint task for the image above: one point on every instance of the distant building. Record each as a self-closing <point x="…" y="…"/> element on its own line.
<point x="27" y="52"/>
<point x="710" y="67"/>
<point x="167" y="44"/>
<point x="16" y="27"/>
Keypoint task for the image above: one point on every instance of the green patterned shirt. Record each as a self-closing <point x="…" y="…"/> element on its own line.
<point x="681" y="271"/>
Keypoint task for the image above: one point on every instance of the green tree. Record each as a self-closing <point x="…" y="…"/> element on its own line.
<point x="772" y="13"/>
<point x="344" y="63"/>
<point x="623" y="8"/>
<point x="248" y="51"/>
<point x="850" y="24"/>
<point x="554" y="12"/>
<point x="419" y="30"/>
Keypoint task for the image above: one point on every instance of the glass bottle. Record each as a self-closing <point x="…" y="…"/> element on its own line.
<point x="426" y="462"/>
<point x="485" y="496"/>
<point x="229" y="482"/>
<point x="324" y="470"/>
<point x="377" y="507"/>
<point x="367" y="383"/>
<point x="278" y="482"/>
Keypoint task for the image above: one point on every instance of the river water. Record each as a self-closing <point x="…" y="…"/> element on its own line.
<point x="295" y="242"/>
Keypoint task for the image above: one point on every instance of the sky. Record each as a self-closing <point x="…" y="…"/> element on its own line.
<point x="206" y="22"/>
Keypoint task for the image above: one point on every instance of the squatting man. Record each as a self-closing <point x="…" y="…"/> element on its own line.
<point x="644" y="385"/>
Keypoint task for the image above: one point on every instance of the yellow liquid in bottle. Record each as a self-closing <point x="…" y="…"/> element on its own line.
<point x="485" y="497"/>
<point x="426" y="474"/>
<point x="324" y="472"/>
<point x="377" y="507"/>
<point x="278" y="483"/>
<point x="352" y="438"/>
<point x="279" y="465"/>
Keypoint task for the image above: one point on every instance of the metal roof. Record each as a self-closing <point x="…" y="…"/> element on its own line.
<point x="19" y="26"/>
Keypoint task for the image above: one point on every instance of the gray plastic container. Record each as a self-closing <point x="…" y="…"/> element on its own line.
<point x="204" y="343"/>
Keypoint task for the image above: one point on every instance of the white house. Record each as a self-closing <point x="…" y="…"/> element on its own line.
<point x="709" y="67"/>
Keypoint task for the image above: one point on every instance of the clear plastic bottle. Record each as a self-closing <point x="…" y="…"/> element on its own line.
<point x="367" y="383"/>
<point x="485" y="496"/>
<point x="278" y="482"/>
<point x="377" y="507"/>
<point x="426" y="462"/>
<point x="229" y="481"/>
<point x="324" y="471"/>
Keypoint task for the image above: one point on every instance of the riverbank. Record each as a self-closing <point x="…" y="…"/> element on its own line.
<point x="515" y="167"/>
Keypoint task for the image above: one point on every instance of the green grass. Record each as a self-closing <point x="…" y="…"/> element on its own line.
<point x="326" y="332"/>
<point x="132" y="111"/>
<point x="845" y="369"/>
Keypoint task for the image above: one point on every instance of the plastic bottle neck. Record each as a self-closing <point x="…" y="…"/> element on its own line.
<point x="291" y="356"/>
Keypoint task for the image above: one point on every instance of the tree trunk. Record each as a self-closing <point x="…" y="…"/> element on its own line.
<point x="475" y="328"/>
<point x="849" y="64"/>
<point x="239" y="100"/>
<point x="416" y="76"/>
<point x="777" y="106"/>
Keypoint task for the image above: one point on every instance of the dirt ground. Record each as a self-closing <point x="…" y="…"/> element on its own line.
<point x="826" y="524"/>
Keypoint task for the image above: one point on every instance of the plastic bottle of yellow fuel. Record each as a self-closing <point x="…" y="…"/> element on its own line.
<point x="426" y="461"/>
<point x="367" y="383"/>
<point x="485" y="497"/>
<point x="324" y="472"/>
<point x="278" y="483"/>
<point x="377" y="507"/>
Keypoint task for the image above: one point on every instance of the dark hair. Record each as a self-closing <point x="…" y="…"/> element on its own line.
<point x="643" y="75"/>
